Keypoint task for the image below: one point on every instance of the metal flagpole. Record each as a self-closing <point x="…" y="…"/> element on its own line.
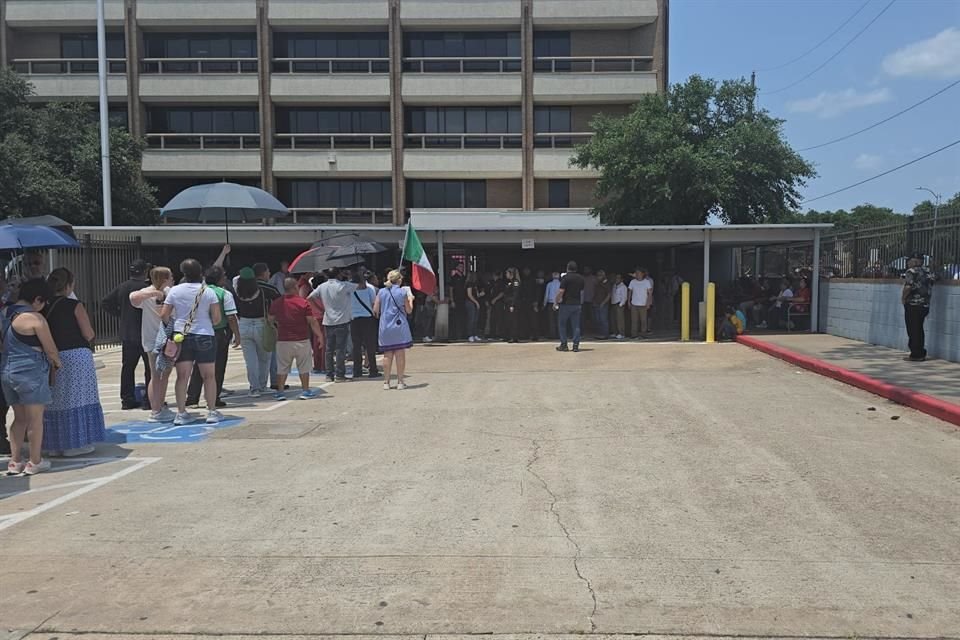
<point x="403" y="249"/>
<point x="104" y="115"/>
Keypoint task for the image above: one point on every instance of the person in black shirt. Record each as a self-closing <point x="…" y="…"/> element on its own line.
<point x="568" y="304"/>
<point x="530" y="294"/>
<point x="117" y="304"/>
<point x="511" y="303"/>
<point x="497" y="310"/>
<point x="457" y="290"/>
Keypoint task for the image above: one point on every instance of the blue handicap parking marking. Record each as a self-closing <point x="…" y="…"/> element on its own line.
<point x="167" y="432"/>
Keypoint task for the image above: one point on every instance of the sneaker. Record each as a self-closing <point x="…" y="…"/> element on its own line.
<point x="386" y="386"/>
<point x="471" y="339"/>
<point x="32" y="469"/>
<point x="762" y="325"/>
<point x="331" y="379"/>
<point x="401" y="386"/>
<point x="221" y="404"/>
<point x="374" y="375"/>
<point x="15" y="468"/>
<point x="254" y="393"/>
<point x="563" y="347"/>
<point x="309" y="394"/>
<point x="183" y="418"/>
<point x="619" y="336"/>
<point x="280" y="396"/>
<point x="341" y="379"/>
<point x="428" y="339"/>
<point x="214" y="417"/>
<point x="79" y="451"/>
<point x="576" y="348"/>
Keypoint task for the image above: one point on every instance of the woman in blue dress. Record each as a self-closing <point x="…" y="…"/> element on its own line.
<point x="393" y="305"/>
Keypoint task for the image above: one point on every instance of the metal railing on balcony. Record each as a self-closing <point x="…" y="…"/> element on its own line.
<point x="345" y="215"/>
<point x="198" y="65"/>
<point x="463" y="140"/>
<point x="202" y="141"/>
<point x="315" y="141"/>
<point x="560" y="140"/>
<point x="66" y="66"/>
<point x="593" y="64"/>
<point x="329" y="66"/>
<point x="461" y="65"/>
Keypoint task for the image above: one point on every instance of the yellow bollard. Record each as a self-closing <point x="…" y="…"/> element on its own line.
<point x="711" y="312"/>
<point x="685" y="312"/>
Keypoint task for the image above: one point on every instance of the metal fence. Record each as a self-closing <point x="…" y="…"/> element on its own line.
<point x="98" y="266"/>
<point x="868" y="252"/>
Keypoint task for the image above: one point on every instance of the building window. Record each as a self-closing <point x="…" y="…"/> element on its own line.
<point x="371" y="49"/>
<point x="222" y="46"/>
<point x="203" y="120"/>
<point x="551" y="44"/>
<point x="463" y="44"/>
<point x="558" y="195"/>
<point x="167" y="188"/>
<point x="333" y="120"/>
<point x="84" y="45"/>
<point x="550" y="120"/>
<point x="473" y="121"/>
<point x="446" y="194"/>
<point x="336" y="194"/>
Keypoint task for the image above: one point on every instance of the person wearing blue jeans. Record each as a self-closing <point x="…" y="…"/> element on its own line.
<point x="336" y="294"/>
<point x="568" y="304"/>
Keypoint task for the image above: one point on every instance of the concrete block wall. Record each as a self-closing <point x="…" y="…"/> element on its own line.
<point x="870" y="311"/>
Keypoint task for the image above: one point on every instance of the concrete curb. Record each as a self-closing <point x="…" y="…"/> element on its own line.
<point x="930" y="405"/>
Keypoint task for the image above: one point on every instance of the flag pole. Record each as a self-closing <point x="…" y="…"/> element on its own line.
<point x="403" y="251"/>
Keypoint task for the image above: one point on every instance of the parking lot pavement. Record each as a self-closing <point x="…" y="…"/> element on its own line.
<point x="682" y="489"/>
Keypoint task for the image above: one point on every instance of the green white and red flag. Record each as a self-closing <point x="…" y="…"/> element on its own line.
<point x="424" y="278"/>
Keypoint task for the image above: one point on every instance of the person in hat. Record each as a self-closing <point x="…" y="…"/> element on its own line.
<point x="117" y="303"/>
<point x="918" y="283"/>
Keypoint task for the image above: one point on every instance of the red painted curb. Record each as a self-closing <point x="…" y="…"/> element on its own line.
<point x="946" y="411"/>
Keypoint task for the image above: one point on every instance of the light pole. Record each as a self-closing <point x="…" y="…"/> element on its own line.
<point x="936" y="213"/>
<point x="104" y="115"/>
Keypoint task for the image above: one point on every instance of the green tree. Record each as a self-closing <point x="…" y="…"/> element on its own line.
<point x="50" y="162"/>
<point x="700" y="149"/>
<point x="864" y="215"/>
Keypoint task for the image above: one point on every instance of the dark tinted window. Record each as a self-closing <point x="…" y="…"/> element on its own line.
<point x="202" y="120"/>
<point x="457" y="44"/>
<point x="464" y="120"/>
<point x="559" y="194"/>
<point x="446" y="194"/>
<point x="169" y="187"/>
<point x="551" y="43"/>
<point x="84" y="45"/>
<point x="331" y="45"/>
<point x="333" y="120"/>
<point x="552" y="119"/>
<point x="336" y="194"/>
<point x="201" y="45"/>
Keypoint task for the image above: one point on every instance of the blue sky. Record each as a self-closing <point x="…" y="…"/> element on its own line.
<point x="910" y="52"/>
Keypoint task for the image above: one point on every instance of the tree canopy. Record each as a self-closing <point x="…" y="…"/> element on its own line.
<point x="701" y="149"/>
<point x="863" y="215"/>
<point x="50" y="161"/>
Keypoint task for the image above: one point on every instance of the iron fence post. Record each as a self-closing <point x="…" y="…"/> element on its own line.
<point x="86" y="244"/>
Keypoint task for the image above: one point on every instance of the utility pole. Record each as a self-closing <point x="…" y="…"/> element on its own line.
<point x="104" y="114"/>
<point x="753" y="85"/>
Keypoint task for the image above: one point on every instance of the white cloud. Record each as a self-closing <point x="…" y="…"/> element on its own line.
<point x="868" y="161"/>
<point x="937" y="57"/>
<point x="830" y="104"/>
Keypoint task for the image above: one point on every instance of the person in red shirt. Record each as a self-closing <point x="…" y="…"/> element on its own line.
<point x="296" y="323"/>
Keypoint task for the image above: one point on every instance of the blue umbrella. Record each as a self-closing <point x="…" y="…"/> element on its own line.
<point x="223" y="202"/>
<point x="15" y="237"/>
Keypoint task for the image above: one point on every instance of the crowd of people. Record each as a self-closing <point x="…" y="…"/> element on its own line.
<point x="186" y="323"/>
<point x="522" y="304"/>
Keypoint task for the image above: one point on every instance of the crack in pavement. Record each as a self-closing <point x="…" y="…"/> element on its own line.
<point x="566" y="532"/>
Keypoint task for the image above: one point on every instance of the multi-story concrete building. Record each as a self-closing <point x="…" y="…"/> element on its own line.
<point x="355" y="111"/>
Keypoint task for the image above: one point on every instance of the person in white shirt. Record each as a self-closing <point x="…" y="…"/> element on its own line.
<point x="641" y="298"/>
<point x="777" y="313"/>
<point x="150" y="300"/>
<point x="618" y="302"/>
<point x="195" y="309"/>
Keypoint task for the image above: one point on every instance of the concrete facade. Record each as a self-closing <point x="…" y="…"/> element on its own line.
<point x="630" y="31"/>
<point x="870" y="311"/>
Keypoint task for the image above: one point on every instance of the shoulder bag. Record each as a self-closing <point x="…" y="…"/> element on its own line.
<point x="172" y="348"/>
<point x="269" y="330"/>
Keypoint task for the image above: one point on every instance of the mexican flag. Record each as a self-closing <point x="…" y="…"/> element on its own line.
<point x="424" y="279"/>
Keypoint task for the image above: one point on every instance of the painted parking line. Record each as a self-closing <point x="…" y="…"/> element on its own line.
<point x="7" y="521"/>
